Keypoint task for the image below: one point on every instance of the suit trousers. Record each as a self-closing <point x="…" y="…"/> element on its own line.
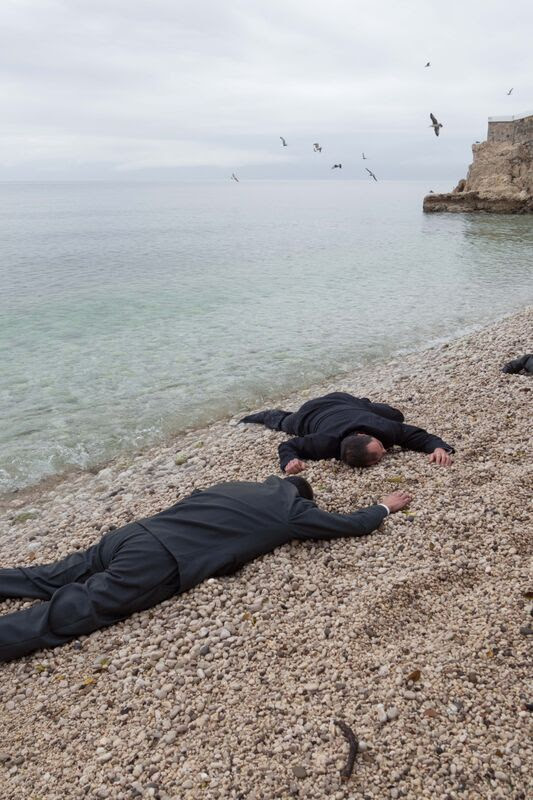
<point x="128" y="570"/>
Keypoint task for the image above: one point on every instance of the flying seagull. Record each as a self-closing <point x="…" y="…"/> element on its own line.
<point x="234" y="177"/>
<point x="435" y="124"/>
<point x="283" y="142"/>
<point x="337" y="166"/>
<point x="371" y="173"/>
<point x="428" y="64"/>
<point x="510" y="90"/>
<point x="364" y="157"/>
<point x="316" y="147"/>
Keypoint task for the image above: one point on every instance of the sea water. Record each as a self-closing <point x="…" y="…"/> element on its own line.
<point x="131" y="311"/>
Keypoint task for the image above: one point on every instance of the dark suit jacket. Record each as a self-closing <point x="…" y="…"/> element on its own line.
<point x="322" y="424"/>
<point x="216" y="531"/>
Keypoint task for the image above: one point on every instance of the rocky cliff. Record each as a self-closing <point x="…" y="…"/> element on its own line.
<point x="500" y="178"/>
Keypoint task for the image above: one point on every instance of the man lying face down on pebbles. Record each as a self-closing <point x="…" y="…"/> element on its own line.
<point x="348" y="428"/>
<point x="210" y="533"/>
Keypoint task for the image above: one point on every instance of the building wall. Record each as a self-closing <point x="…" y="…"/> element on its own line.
<point x="518" y="130"/>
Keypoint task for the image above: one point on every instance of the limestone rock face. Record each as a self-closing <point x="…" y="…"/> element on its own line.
<point x="500" y="179"/>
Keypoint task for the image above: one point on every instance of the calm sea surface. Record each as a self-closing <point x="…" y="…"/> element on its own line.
<point x="131" y="311"/>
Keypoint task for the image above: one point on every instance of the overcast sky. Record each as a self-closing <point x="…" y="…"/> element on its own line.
<point x="169" y="89"/>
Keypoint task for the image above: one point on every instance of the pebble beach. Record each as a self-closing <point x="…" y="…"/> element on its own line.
<point x="417" y="637"/>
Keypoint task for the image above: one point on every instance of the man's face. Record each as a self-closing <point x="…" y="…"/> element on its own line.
<point x="375" y="452"/>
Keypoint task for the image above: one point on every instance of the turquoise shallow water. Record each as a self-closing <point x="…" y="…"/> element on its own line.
<point x="131" y="311"/>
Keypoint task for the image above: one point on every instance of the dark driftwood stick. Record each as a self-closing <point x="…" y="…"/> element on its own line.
<point x="346" y="772"/>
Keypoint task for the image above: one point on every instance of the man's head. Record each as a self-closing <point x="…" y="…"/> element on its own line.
<point x="360" y="450"/>
<point x="303" y="487"/>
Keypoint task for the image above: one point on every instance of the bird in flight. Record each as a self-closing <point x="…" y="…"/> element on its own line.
<point x="510" y="90"/>
<point x="435" y="124"/>
<point x="316" y="147"/>
<point x="283" y="142"/>
<point x="337" y="166"/>
<point x="371" y="173"/>
<point x="234" y="177"/>
<point x="428" y="64"/>
<point x="364" y="157"/>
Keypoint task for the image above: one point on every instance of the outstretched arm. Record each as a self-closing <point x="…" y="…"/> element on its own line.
<point x="313" y="523"/>
<point x="313" y="447"/>
<point x="418" y="439"/>
<point x="512" y="367"/>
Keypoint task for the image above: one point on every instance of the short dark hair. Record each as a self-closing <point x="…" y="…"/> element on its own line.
<point x="304" y="487"/>
<point x="354" y="450"/>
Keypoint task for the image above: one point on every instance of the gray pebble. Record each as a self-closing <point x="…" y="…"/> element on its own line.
<point x="299" y="772"/>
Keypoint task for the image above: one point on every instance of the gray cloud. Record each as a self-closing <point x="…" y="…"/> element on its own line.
<point x="152" y="88"/>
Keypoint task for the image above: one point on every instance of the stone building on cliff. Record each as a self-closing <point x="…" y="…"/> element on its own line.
<point x="511" y="130"/>
<point x="500" y="178"/>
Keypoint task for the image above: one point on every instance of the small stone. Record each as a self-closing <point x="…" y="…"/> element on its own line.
<point x="224" y="633"/>
<point x="500" y="776"/>
<point x="392" y="713"/>
<point x="299" y="772"/>
<point x="383" y="671"/>
<point x="382" y="714"/>
<point x="105" y="475"/>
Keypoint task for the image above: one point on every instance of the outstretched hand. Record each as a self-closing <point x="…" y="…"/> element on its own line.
<point x="294" y="466"/>
<point x="441" y="456"/>
<point x="397" y="500"/>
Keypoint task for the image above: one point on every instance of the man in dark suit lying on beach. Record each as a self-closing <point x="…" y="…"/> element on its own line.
<point x="348" y="428"/>
<point x="210" y="533"/>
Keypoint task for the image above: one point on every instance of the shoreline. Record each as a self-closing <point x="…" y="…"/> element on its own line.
<point x="32" y="492"/>
<point x="426" y="620"/>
